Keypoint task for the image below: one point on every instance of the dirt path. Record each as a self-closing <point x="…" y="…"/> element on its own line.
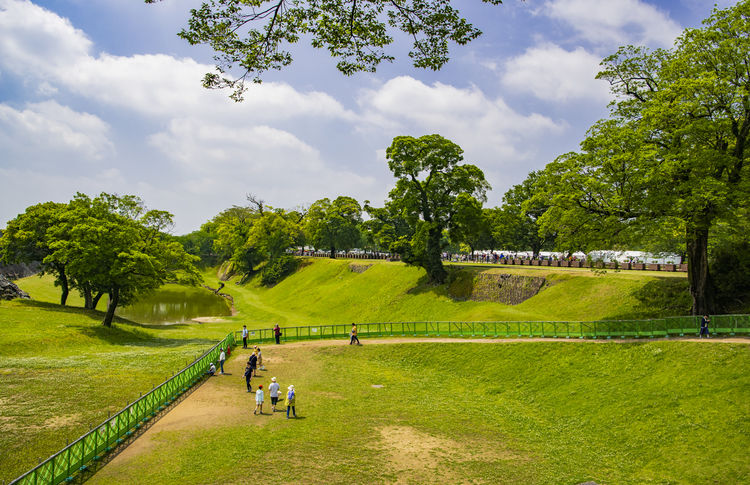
<point x="215" y="402"/>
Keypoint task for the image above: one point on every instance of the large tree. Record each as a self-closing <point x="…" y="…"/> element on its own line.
<point x="334" y="224"/>
<point x="117" y="247"/>
<point x="251" y="37"/>
<point x="429" y="181"/>
<point x="27" y="238"/>
<point x="673" y="154"/>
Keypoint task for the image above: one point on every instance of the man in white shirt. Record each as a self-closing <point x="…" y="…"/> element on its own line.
<point x="222" y="358"/>
<point x="244" y="336"/>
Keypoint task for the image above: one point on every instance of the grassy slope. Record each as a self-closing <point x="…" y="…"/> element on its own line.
<point x="655" y="412"/>
<point x="61" y="371"/>
<point x="328" y="292"/>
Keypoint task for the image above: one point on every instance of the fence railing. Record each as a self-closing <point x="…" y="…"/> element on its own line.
<point x="79" y="455"/>
<point x="661" y="327"/>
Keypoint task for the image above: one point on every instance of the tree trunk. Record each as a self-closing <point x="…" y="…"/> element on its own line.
<point x="96" y="300"/>
<point x="114" y="298"/>
<point x="333" y="253"/>
<point x="701" y="288"/>
<point x="88" y="301"/>
<point x="434" y="266"/>
<point x="63" y="278"/>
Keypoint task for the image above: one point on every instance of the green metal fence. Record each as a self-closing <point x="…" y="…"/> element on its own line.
<point x="661" y="327"/>
<point x="78" y="456"/>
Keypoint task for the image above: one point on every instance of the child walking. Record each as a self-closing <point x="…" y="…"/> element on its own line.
<point x="259" y="400"/>
<point x="291" y="399"/>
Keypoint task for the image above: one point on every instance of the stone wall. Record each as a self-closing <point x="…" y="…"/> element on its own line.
<point x="9" y="290"/>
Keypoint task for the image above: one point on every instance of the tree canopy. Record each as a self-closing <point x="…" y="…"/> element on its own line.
<point x="672" y="155"/>
<point x="251" y="37"/>
<point x="334" y="224"/>
<point x="431" y="188"/>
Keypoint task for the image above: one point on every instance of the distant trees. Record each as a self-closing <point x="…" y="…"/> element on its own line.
<point x="27" y="238"/>
<point x="334" y="224"/>
<point x="106" y="245"/>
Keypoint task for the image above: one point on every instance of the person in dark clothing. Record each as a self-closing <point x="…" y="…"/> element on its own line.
<point x="277" y="333"/>
<point x="248" y="375"/>
<point x="252" y="362"/>
<point x="704" y="327"/>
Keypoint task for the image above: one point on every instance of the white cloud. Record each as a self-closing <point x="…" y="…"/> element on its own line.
<point x="487" y="128"/>
<point x="49" y="129"/>
<point x="551" y="73"/>
<point x="37" y="42"/>
<point x="216" y="161"/>
<point x="615" y="22"/>
<point x="43" y="47"/>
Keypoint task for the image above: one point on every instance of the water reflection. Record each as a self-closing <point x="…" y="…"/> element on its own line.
<point x="175" y="304"/>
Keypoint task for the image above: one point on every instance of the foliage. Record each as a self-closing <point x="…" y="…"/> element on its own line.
<point x="672" y="156"/>
<point x="248" y="236"/>
<point x="201" y="243"/>
<point x="253" y="36"/>
<point x="334" y="225"/>
<point x="470" y="225"/>
<point x="277" y="269"/>
<point x="514" y="225"/>
<point x="27" y="239"/>
<point x="114" y="246"/>
<point x="431" y="188"/>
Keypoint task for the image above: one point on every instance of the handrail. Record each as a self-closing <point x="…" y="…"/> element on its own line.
<point x="78" y="456"/>
<point x="607" y="329"/>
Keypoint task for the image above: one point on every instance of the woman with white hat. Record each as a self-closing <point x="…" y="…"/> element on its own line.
<point x="291" y="399"/>
<point x="273" y="391"/>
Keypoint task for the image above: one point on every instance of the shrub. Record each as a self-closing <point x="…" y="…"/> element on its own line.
<point x="277" y="269"/>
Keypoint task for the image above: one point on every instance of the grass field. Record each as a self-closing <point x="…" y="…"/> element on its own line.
<point x="61" y="371"/>
<point x="532" y="413"/>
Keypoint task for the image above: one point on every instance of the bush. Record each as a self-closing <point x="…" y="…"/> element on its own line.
<point x="277" y="269"/>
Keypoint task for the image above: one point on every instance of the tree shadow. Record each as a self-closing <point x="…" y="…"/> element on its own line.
<point x="123" y="331"/>
<point x="661" y="297"/>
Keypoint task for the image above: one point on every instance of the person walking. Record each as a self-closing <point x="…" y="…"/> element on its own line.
<point x="353" y="335"/>
<point x="253" y="362"/>
<point x="291" y="401"/>
<point x="259" y="400"/>
<point x="273" y="391"/>
<point x="704" y="327"/>
<point x="260" y="359"/>
<point x="248" y="375"/>
<point x="277" y="333"/>
<point x="244" y="336"/>
<point x="222" y="358"/>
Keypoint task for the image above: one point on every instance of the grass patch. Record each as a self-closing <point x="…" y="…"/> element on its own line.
<point x="474" y="413"/>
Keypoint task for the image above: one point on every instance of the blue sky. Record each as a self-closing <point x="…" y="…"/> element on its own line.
<point x="103" y="96"/>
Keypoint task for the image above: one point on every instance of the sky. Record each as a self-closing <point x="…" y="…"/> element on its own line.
<point x="104" y="97"/>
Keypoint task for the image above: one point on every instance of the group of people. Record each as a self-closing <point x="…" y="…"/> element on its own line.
<point x="254" y="362"/>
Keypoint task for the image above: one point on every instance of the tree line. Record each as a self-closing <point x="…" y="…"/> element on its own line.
<point x="665" y="172"/>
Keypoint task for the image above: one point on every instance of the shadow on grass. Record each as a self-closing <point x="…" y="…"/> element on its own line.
<point x="123" y="331"/>
<point x="662" y="297"/>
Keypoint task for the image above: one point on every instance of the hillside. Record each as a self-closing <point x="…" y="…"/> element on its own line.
<point x="330" y="291"/>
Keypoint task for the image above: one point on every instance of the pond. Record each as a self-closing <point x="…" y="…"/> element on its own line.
<point x="175" y="304"/>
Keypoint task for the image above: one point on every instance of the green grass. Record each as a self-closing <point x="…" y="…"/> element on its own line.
<point x="327" y="292"/>
<point x="534" y="413"/>
<point x="61" y="371"/>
